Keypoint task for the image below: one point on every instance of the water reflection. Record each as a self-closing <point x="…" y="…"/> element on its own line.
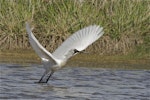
<point x="17" y="82"/>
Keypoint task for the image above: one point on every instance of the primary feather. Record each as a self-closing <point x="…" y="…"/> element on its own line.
<point x="38" y="48"/>
<point x="80" y="40"/>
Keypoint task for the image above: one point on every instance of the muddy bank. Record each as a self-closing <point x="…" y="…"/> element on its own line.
<point x="85" y="60"/>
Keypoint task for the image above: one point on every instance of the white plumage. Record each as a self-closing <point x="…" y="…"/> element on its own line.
<point x="77" y="42"/>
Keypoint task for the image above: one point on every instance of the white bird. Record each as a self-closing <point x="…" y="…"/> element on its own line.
<point x="76" y="43"/>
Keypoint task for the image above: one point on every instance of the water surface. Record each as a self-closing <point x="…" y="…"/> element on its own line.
<point x="74" y="83"/>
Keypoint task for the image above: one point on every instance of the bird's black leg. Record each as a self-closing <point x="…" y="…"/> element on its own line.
<point x="40" y="81"/>
<point x="45" y="75"/>
<point x="49" y="76"/>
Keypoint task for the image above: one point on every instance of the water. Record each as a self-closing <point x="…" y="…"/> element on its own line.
<point x="74" y="83"/>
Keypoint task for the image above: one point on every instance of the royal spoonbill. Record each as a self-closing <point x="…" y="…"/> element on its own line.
<point x="76" y="43"/>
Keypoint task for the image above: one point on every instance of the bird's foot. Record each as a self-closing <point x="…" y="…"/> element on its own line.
<point x="41" y="82"/>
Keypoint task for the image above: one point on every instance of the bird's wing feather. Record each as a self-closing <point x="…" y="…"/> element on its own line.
<point x="80" y="40"/>
<point x="39" y="49"/>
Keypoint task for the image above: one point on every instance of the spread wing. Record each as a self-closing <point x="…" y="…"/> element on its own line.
<point x="78" y="41"/>
<point x="39" y="49"/>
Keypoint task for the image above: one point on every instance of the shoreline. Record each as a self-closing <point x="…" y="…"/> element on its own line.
<point x="85" y="60"/>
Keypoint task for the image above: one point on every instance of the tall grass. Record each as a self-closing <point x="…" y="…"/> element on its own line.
<point x="125" y="22"/>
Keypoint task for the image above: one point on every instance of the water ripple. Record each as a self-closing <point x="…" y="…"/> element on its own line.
<point x="74" y="83"/>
